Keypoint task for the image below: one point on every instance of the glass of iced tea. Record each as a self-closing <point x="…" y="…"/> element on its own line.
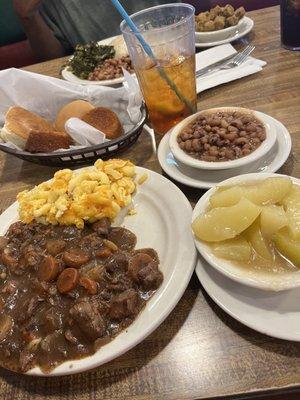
<point x="170" y="32"/>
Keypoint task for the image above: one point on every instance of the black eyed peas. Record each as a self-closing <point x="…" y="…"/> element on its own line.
<point x="111" y="69"/>
<point x="222" y="136"/>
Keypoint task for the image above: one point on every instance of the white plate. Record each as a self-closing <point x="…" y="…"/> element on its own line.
<point x="202" y="179"/>
<point x="241" y="30"/>
<point x="271" y="313"/>
<point x="162" y="222"/>
<point x="69" y="76"/>
<point x="247" y="276"/>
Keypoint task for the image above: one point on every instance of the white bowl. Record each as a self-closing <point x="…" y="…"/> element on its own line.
<point x="202" y="37"/>
<point x="261" y="280"/>
<point x="261" y="151"/>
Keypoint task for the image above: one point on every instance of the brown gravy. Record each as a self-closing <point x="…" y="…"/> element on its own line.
<point x="65" y="292"/>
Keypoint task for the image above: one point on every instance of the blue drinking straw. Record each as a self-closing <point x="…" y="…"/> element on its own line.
<point x="150" y="53"/>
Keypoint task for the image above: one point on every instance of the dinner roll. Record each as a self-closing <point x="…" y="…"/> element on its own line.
<point x="105" y="120"/>
<point x="76" y="109"/>
<point x="39" y="142"/>
<point x="19" y="122"/>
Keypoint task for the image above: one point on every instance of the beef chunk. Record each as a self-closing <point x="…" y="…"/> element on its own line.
<point x="91" y="242"/>
<point x="123" y="238"/>
<point x="10" y="287"/>
<point x="6" y="324"/>
<point x="88" y="319"/>
<point x="118" y="262"/>
<point x="102" y="227"/>
<point x="150" y="252"/>
<point x="10" y="258"/>
<point x="124" y="305"/>
<point x="30" y="259"/>
<point x="52" y="320"/>
<point x="33" y="304"/>
<point x="150" y="277"/>
<point x="3" y="242"/>
<point x="16" y="229"/>
<point x="71" y="337"/>
<point x="54" y="344"/>
<point x="144" y="271"/>
<point x="55" y="246"/>
<point x="27" y="359"/>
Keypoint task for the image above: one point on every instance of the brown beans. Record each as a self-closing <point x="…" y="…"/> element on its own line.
<point x="48" y="269"/>
<point x="188" y="145"/>
<point x="185" y="136"/>
<point x="232" y="129"/>
<point x="196" y="144"/>
<point x="67" y="280"/>
<point x="222" y="136"/>
<point x="251" y="127"/>
<point x="237" y="123"/>
<point x="213" y="151"/>
<point x="256" y="141"/>
<point x="229" y="154"/>
<point x="75" y="257"/>
<point x="241" y="140"/>
<point x="111" y="69"/>
<point x="246" y="152"/>
<point x="224" y="123"/>
<point x="231" y="136"/>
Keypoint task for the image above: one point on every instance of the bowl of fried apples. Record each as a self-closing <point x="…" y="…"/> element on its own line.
<point x="248" y="228"/>
<point x="219" y="23"/>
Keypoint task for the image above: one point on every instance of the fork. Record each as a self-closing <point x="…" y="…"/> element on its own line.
<point x="233" y="62"/>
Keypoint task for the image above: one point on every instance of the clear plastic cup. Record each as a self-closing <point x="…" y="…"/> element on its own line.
<point x="170" y="31"/>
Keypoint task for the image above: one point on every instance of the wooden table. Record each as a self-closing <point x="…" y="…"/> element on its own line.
<point x="199" y="351"/>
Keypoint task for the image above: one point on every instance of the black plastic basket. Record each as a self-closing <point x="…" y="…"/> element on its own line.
<point x="87" y="154"/>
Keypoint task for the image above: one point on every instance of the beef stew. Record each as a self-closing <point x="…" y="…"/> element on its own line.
<point x="65" y="292"/>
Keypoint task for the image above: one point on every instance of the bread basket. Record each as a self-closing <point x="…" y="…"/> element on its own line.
<point x="84" y="155"/>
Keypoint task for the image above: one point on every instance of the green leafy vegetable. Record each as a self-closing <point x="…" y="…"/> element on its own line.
<point x="87" y="57"/>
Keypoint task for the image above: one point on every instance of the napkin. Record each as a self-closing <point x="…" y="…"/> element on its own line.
<point x="83" y="133"/>
<point x="207" y="57"/>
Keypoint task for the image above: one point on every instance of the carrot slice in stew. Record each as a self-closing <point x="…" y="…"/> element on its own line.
<point x="48" y="269"/>
<point x="88" y="284"/>
<point x="67" y="280"/>
<point x="103" y="253"/>
<point x="75" y="257"/>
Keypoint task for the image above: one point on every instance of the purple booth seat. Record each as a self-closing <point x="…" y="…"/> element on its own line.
<point x="204" y="5"/>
